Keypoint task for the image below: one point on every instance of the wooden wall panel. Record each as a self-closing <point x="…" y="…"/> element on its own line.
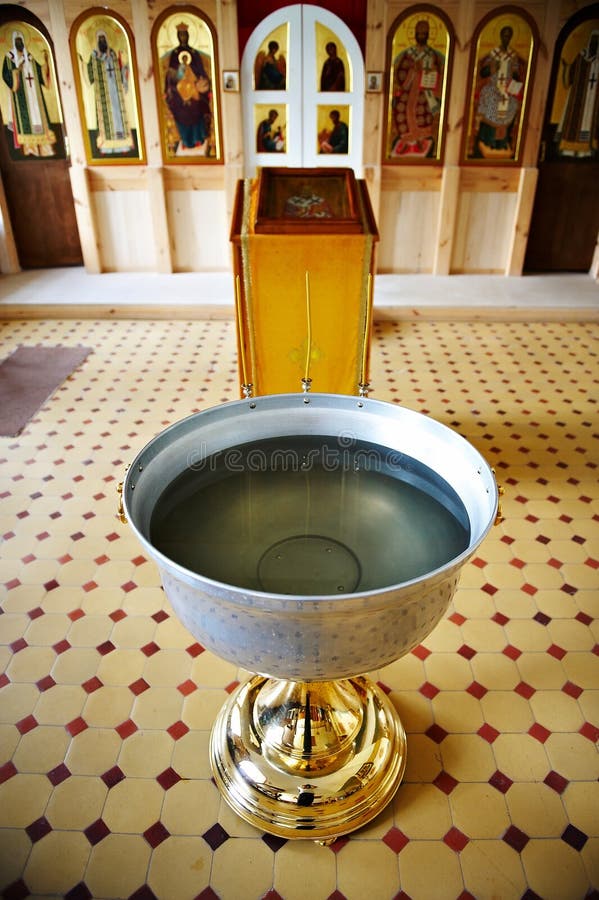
<point x="199" y="231"/>
<point x="125" y="224"/>
<point x="483" y="233"/>
<point x="408" y="228"/>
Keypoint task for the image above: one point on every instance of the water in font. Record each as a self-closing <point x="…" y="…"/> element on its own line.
<point x="310" y="516"/>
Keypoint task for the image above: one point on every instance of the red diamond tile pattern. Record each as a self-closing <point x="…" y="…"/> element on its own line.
<point x="106" y="702"/>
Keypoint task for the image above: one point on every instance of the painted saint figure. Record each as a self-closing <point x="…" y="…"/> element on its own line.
<point x="417" y="93"/>
<point x="188" y="93"/>
<point x="502" y="74"/>
<point x="108" y="73"/>
<point x="332" y="77"/>
<point x="336" y="140"/>
<point x="270" y="70"/>
<point x="25" y="77"/>
<point x="269" y="139"/>
<point x="577" y="133"/>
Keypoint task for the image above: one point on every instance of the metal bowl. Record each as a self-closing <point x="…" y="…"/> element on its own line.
<point x="296" y="636"/>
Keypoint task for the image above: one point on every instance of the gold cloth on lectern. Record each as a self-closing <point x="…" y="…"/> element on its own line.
<point x="272" y="255"/>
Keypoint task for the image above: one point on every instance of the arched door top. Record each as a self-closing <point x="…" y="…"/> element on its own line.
<point x="302" y="81"/>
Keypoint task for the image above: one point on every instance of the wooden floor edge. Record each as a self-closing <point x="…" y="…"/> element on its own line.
<point x="191" y="312"/>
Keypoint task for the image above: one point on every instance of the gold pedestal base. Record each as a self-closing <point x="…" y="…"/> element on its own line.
<point x="308" y="760"/>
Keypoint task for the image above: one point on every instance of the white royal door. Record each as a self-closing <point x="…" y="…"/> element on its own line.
<point x="302" y="83"/>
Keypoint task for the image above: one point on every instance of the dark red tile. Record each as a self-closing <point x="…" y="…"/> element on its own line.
<point x="150" y="649"/>
<point x="24" y="726"/>
<point x="195" y="649"/>
<point x="187" y="687"/>
<point x="556" y="652"/>
<point x="274" y="842"/>
<point x="396" y="840"/>
<point x="456" y="839"/>
<point x="139" y="686"/>
<point x="428" y="690"/>
<point x="525" y="690"/>
<point x="156" y="834"/>
<point x="574" y="837"/>
<point x="177" y="730"/>
<point x="38" y="829"/>
<point x="516" y="839"/>
<point x="113" y="776"/>
<point x="96" y="832"/>
<point x="477" y="690"/>
<point x="590" y="731"/>
<point x="488" y="733"/>
<point x="436" y="733"/>
<point x="168" y="778"/>
<point x="556" y="782"/>
<point x="539" y="732"/>
<point x="500" y="782"/>
<point x="58" y="774"/>
<point x="8" y="770"/>
<point x="215" y="836"/>
<point x="467" y="652"/>
<point x="91" y="685"/>
<point x="126" y="729"/>
<point x="76" y="726"/>
<point x="572" y="690"/>
<point x="445" y="782"/>
<point x="421" y="652"/>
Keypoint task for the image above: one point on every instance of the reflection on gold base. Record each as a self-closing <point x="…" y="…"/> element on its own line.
<point x="308" y="760"/>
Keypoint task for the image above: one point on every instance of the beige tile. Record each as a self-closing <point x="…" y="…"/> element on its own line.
<point x="456" y="711"/>
<point x="108" y="706"/>
<point x="492" y="869"/>
<point x="61" y="704"/>
<point x="303" y="869"/>
<point x="190" y="807"/>
<point x="448" y="671"/>
<point x="507" y="711"/>
<point x="467" y="757"/>
<point x="554" y="870"/>
<point x="118" y="865"/>
<point x="76" y="803"/>
<point x="42" y="749"/>
<point x="414" y="709"/>
<point x="422" y="812"/>
<point x="93" y="751"/>
<point x="582" y="669"/>
<point x="133" y="805"/>
<point x="147" y="753"/>
<point x="201" y="708"/>
<point x="419" y="865"/>
<point x="76" y="666"/>
<point x="30" y="664"/>
<point x="590" y="858"/>
<point x="23" y="799"/>
<point x="238" y="863"/>
<point x="521" y="757"/>
<point x="364" y="856"/>
<point x="121" y="667"/>
<point x="423" y="760"/>
<point x="158" y="708"/>
<point x="495" y="671"/>
<point x="536" y="810"/>
<point x="573" y="756"/>
<point x="542" y="671"/>
<point x="57" y="862"/>
<point x="556" y="711"/>
<point x="479" y="811"/>
<point x="168" y="668"/>
<point x="180" y="867"/>
<point x="190" y="755"/>
<point x="90" y="631"/>
<point x="15" y="847"/>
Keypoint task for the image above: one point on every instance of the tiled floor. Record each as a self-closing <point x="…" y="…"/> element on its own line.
<point x="106" y="701"/>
